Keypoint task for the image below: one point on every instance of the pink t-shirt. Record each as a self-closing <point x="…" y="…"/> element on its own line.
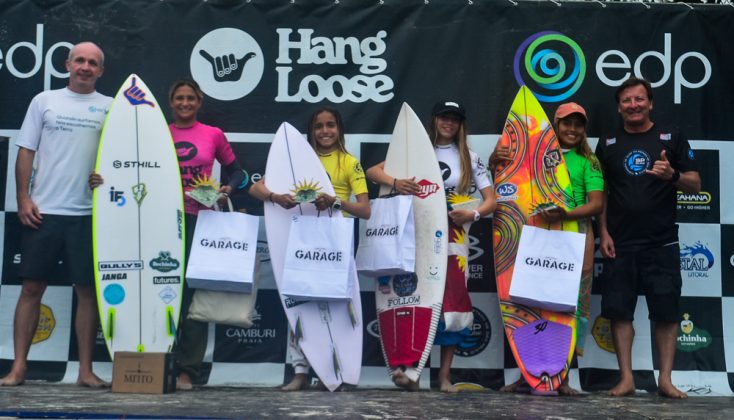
<point x="197" y="147"/>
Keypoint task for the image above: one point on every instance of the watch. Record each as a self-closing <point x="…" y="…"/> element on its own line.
<point x="337" y="203"/>
<point x="477" y="216"/>
<point x="675" y="177"/>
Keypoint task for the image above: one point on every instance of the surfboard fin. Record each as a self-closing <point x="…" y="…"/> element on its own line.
<point x="110" y="331"/>
<point x="299" y="330"/>
<point x="352" y="314"/>
<point x="170" y="322"/>
<point x="335" y="360"/>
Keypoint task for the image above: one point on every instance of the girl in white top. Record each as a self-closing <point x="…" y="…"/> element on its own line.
<point x="463" y="174"/>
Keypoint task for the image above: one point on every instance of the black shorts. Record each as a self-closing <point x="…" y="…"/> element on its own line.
<point x="58" y="238"/>
<point x="653" y="272"/>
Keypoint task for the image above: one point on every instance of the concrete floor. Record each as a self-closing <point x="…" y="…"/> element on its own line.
<point x="50" y="400"/>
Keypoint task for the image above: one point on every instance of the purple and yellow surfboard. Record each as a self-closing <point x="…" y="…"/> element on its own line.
<point x="542" y="341"/>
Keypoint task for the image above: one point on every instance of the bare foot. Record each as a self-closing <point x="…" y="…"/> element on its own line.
<point x="183" y="383"/>
<point x="566" y="390"/>
<point x="298" y="383"/>
<point x="669" y="391"/>
<point x="12" y="379"/>
<point x="92" y="381"/>
<point x="623" y="388"/>
<point x="401" y="379"/>
<point x="447" y="386"/>
<point x="518" y="386"/>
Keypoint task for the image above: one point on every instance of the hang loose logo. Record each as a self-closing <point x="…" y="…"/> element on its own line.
<point x="227" y="68"/>
<point x="136" y="96"/>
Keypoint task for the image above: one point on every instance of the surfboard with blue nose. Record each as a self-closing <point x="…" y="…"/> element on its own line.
<point x="542" y="341"/>
<point x="138" y="225"/>
<point x="409" y="306"/>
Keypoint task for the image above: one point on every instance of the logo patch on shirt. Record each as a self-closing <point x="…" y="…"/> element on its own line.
<point x="611" y="141"/>
<point x="636" y="162"/>
<point x="665" y="136"/>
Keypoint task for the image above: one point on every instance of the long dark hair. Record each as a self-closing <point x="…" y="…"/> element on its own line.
<point x="339" y="125"/>
<point x="341" y="143"/>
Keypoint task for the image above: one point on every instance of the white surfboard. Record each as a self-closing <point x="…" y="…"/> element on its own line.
<point x="138" y="225"/>
<point x="409" y="306"/>
<point x="329" y="333"/>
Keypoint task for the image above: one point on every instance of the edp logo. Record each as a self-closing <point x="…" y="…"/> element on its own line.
<point x="15" y="59"/>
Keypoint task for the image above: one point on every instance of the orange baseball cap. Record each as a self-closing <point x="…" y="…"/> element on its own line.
<point x="569" y="108"/>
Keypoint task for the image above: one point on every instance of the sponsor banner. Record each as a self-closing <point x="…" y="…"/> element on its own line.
<point x="273" y="64"/>
<point x="481" y="257"/>
<point x="483" y="346"/>
<point x="252" y="158"/>
<point x="700" y="259"/>
<point x="727" y="260"/>
<point x="264" y="342"/>
<point x="371" y="348"/>
<point x="370" y="155"/>
<point x="4" y="151"/>
<point x="52" y="337"/>
<point x="702" y="207"/>
<point x="727" y="318"/>
<point x="699" y="342"/>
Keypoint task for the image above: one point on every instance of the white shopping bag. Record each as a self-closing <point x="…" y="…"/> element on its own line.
<point x="223" y="252"/>
<point x="547" y="269"/>
<point x="387" y="246"/>
<point x="318" y="258"/>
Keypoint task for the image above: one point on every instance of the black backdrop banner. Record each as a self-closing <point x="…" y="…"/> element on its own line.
<point x="370" y="56"/>
<point x="262" y="62"/>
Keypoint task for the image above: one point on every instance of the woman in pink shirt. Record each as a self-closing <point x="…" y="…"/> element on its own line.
<point x="197" y="146"/>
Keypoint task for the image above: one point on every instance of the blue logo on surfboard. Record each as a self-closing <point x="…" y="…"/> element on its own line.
<point x="114" y="294"/>
<point x="405" y="284"/>
<point x="506" y="192"/>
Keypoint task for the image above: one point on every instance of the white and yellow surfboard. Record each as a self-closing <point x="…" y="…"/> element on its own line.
<point x="138" y="225"/>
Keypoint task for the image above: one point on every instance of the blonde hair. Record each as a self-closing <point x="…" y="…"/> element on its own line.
<point x="462" y="144"/>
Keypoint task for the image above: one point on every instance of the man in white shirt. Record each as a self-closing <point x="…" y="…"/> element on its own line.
<point x="61" y="133"/>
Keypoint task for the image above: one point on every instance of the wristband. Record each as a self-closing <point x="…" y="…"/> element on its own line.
<point x="270" y="197"/>
<point x="394" y="184"/>
<point x="675" y="177"/>
<point x="477" y="216"/>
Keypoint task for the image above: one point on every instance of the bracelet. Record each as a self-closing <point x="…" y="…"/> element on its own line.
<point x="394" y="184"/>
<point x="270" y="197"/>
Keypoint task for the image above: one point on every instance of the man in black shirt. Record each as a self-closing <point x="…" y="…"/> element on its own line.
<point x="644" y="166"/>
